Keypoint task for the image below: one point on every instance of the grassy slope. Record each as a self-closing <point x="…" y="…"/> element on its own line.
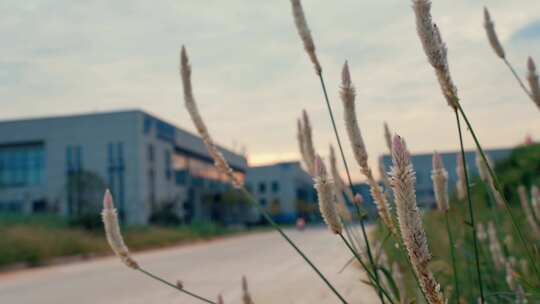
<point x="37" y="239"/>
<point x="523" y="167"/>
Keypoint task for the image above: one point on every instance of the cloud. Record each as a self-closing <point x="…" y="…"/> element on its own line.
<point x="251" y="76"/>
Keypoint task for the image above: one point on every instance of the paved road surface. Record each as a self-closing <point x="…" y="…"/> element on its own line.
<point x="276" y="274"/>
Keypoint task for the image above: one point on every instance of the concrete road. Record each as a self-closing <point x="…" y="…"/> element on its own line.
<point x="275" y="272"/>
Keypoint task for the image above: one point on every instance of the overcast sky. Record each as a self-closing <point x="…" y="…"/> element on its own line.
<point x="252" y="77"/>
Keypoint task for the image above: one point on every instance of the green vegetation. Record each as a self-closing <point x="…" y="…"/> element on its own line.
<point x="521" y="168"/>
<point x="39" y="238"/>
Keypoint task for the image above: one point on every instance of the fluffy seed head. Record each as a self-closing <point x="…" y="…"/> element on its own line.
<point x="219" y="160"/>
<point x="535" y="200"/>
<point x="220" y="300"/>
<point x="359" y="149"/>
<point x="309" y="149"/>
<point x="435" y="49"/>
<point x="112" y="231"/>
<point x="439" y="176"/>
<point x="482" y="168"/>
<point x="534" y="85"/>
<point x="524" y="200"/>
<point x="495" y="247"/>
<point x="348" y="95"/>
<point x="305" y="34"/>
<point x="414" y="237"/>
<point x="388" y="137"/>
<point x="358" y="199"/>
<point x="326" y="195"/>
<point x="461" y="184"/>
<point x="481" y="232"/>
<point x="492" y="35"/>
<point x="340" y="188"/>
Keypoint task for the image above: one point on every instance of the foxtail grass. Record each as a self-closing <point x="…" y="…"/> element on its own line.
<point x="402" y="179"/>
<point x="222" y="165"/>
<point x="532" y="77"/>
<point x="309" y="46"/>
<point x="439" y="176"/>
<point x="116" y="242"/>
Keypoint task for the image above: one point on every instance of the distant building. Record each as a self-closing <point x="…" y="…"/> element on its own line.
<point x="422" y="164"/>
<point x="64" y="163"/>
<point x="284" y="189"/>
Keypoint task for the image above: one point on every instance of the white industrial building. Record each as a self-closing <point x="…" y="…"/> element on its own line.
<point x="63" y="164"/>
<point x="284" y="189"/>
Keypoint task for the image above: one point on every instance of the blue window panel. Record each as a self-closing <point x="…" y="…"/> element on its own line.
<point x="165" y="131"/>
<point x="18" y="166"/>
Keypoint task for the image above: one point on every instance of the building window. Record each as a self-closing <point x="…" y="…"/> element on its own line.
<point x="275" y="186"/>
<point x="249" y="187"/>
<point x="262" y="201"/>
<point x="115" y="171"/>
<point x="150" y="152"/>
<point x="262" y="187"/>
<point x="168" y="165"/>
<point x="22" y="166"/>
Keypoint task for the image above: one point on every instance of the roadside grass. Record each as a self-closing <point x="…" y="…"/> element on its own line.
<point x="37" y="239"/>
<point x="521" y="167"/>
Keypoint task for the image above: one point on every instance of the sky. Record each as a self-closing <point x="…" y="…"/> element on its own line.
<point x="252" y="78"/>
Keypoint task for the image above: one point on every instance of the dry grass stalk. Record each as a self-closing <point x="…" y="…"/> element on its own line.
<point x="359" y="149"/>
<point x="435" y="49"/>
<point x="246" y="296"/>
<point x="527" y="210"/>
<point x="492" y="35"/>
<point x="402" y="178"/>
<point x="340" y="188"/>
<point x="495" y="247"/>
<point x="327" y="196"/>
<point x="305" y="34"/>
<point x="301" y="142"/>
<point x="461" y="183"/>
<point x="112" y="231"/>
<point x="534" y="85"/>
<point x="219" y="161"/>
<point x="439" y="176"/>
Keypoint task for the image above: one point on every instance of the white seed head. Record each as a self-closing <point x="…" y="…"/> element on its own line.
<point x="358" y="199"/>
<point x="410" y="221"/>
<point x="534" y="85"/>
<point x="220" y="300"/>
<point x="481" y="232"/>
<point x="524" y="200"/>
<point x="492" y="35"/>
<point x="535" y="200"/>
<point x="326" y="195"/>
<point x="461" y="183"/>
<point x="439" y="176"/>
<point x="340" y="188"/>
<point x="112" y="231"/>
<point x="388" y="137"/>
<point x="309" y="148"/>
<point x="495" y="247"/>
<point x="435" y="49"/>
<point x="305" y="34"/>
<point x="219" y="160"/>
